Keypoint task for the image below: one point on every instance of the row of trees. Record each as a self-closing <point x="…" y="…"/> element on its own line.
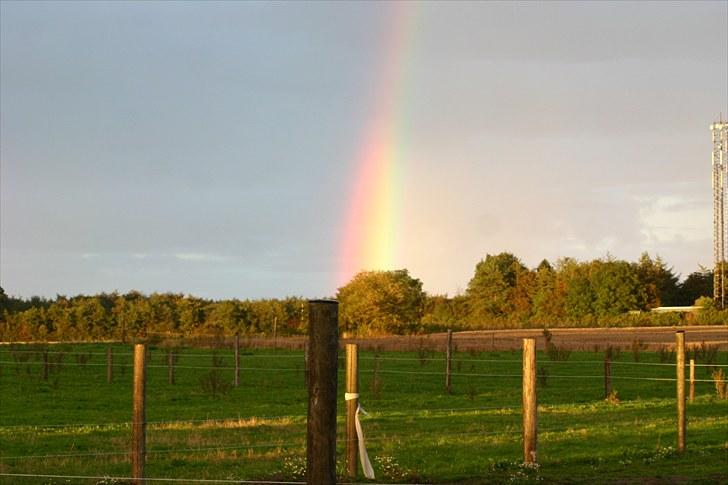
<point x="502" y="292"/>
<point x="123" y="316"/>
<point x="505" y="293"/>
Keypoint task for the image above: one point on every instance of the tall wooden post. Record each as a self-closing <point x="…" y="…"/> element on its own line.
<point x="692" y="380"/>
<point x="529" y="400"/>
<point x="275" y="333"/>
<point x="45" y="365"/>
<point x="323" y="341"/>
<point x="352" y="388"/>
<point x="138" y="421"/>
<point x="448" y="363"/>
<point x="680" y="348"/>
<point x="237" y="360"/>
<point x="170" y="366"/>
<point x="607" y="375"/>
<point x="109" y="364"/>
<point x="305" y="364"/>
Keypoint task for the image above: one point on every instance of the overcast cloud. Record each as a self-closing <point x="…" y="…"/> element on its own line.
<point x="207" y="148"/>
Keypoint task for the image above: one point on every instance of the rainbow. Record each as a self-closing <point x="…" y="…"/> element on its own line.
<point x="371" y="222"/>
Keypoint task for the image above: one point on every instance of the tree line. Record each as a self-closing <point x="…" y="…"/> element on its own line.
<point x="503" y="292"/>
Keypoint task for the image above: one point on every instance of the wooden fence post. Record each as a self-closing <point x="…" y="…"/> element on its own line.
<point x="448" y="363"/>
<point x="692" y="380"/>
<point x="170" y="366"/>
<point x="352" y="387"/>
<point x="138" y="425"/>
<point x="680" y="349"/>
<point x="529" y="401"/>
<point x="109" y="365"/>
<point x="305" y="364"/>
<point x="237" y="360"/>
<point x="323" y="341"/>
<point x="607" y="375"/>
<point x="45" y="365"/>
<point x="275" y="333"/>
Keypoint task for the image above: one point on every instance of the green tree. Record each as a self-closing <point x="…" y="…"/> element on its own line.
<point x="492" y="291"/>
<point x="658" y="281"/>
<point x="698" y="283"/>
<point x="376" y="302"/>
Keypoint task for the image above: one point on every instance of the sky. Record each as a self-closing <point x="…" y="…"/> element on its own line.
<point x="260" y="149"/>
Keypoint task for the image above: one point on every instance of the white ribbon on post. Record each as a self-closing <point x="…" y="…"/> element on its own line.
<point x="363" y="456"/>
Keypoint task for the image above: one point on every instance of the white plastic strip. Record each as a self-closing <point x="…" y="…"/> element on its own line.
<point x="363" y="456"/>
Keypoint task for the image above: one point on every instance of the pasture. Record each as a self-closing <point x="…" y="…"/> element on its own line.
<point x="64" y="419"/>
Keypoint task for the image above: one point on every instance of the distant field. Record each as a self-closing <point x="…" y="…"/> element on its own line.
<point x="75" y="423"/>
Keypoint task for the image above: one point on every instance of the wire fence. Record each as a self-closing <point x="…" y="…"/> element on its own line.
<point x="392" y="419"/>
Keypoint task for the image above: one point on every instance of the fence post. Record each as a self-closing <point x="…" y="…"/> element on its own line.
<point x="45" y="365"/>
<point x="237" y="360"/>
<point x="607" y="375"/>
<point x="109" y="365"/>
<point x="323" y="340"/>
<point x="138" y="416"/>
<point x="305" y="364"/>
<point x="448" y="363"/>
<point x="692" y="380"/>
<point x="170" y="366"/>
<point x="352" y="387"/>
<point x="680" y="348"/>
<point x="275" y="333"/>
<point x="529" y="400"/>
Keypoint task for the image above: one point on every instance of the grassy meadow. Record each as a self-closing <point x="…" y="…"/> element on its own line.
<point x="73" y="422"/>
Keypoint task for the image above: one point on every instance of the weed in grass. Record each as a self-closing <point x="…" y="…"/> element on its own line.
<point x="637" y="347"/>
<point x="294" y="467"/>
<point x="721" y="388"/>
<point x="390" y="468"/>
<point x="517" y="472"/>
<point x="552" y="350"/>
<point x="423" y="353"/>
<point x="613" y="398"/>
<point x="665" y="354"/>
<point x="472" y="392"/>
<point x="661" y="453"/>
<point x="705" y="354"/>
<point x="213" y="383"/>
<point x="542" y="376"/>
<point x="613" y="353"/>
<point x="82" y="358"/>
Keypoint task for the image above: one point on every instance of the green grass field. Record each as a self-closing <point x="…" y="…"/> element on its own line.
<point x="76" y="424"/>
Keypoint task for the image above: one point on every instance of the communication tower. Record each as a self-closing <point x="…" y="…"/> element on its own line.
<point x="719" y="131"/>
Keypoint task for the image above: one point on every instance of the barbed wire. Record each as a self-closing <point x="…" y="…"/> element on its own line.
<point x="186" y="480"/>
<point x="130" y="479"/>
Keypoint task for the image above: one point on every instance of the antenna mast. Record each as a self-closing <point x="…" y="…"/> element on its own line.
<point x="719" y="131"/>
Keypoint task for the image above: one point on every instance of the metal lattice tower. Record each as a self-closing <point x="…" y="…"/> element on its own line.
<point x="719" y="131"/>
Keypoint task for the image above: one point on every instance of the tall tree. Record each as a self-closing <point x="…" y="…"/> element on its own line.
<point x="659" y="282"/>
<point x="381" y="302"/>
<point x="491" y="292"/>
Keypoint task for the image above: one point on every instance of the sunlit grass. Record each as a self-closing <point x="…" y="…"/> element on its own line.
<point x="415" y="431"/>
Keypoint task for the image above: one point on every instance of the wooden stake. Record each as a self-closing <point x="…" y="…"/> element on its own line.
<point x="448" y="363"/>
<point x="352" y="387"/>
<point x="109" y="365"/>
<point x="529" y="400"/>
<point x="237" y="360"/>
<point x="138" y="416"/>
<point x="680" y="345"/>
<point x="45" y="365"/>
<point x="275" y="332"/>
<point x="170" y="366"/>
<point x="323" y="341"/>
<point x="692" y="380"/>
<point x="607" y="376"/>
